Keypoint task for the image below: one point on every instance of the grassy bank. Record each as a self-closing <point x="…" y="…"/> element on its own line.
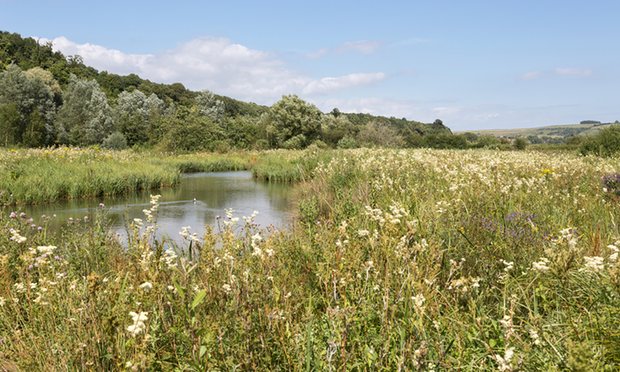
<point x="412" y="260"/>
<point x="47" y="175"/>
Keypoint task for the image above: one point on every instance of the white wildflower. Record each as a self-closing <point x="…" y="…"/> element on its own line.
<point x="146" y="286"/>
<point x="504" y="363"/>
<point x="16" y="237"/>
<point x="542" y="265"/>
<point x="593" y="263"/>
<point x="138" y="325"/>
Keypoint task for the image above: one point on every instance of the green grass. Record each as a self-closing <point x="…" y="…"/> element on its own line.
<point x="400" y="259"/>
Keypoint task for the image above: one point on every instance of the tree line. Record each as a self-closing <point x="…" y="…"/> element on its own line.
<point x="48" y="99"/>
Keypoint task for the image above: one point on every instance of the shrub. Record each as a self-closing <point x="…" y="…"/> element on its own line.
<point x="605" y="143"/>
<point x="115" y="141"/>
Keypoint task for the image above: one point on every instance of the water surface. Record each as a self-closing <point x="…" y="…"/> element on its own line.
<point x="197" y="201"/>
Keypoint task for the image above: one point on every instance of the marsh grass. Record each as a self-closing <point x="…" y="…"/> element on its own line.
<point x="400" y="260"/>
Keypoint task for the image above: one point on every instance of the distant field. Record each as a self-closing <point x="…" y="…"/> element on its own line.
<point x="555" y="131"/>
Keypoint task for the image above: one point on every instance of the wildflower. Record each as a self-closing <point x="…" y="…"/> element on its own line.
<point x="503" y="363"/>
<point x="418" y="301"/>
<point x="534" y="336"/>
<point x="227" y="288"/>
<point x="2" y="301"/>
<point x="146" y="286"/>
<point x="46" y="249"/>
<point x="13" y="215"/>
<point x="508" y="265"/>
<point x="185" y="232"/>
<point x="169" y="258"/>
<point x="593" y="263"/>
<point x="363" y="233"/>
<point x="16" y="237"/>
<point x="101" y="205"/>
<point x="541" y="265"/>
<point x="138" y="325"/>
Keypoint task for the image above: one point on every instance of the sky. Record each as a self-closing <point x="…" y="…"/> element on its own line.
<point x="473" y="64"/>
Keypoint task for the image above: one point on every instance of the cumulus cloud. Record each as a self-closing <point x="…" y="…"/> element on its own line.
<point x="328" y="84"/>
<point x="216" y="64"/>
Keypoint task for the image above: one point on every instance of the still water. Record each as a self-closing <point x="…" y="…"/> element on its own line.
<point x="197" y="201"/>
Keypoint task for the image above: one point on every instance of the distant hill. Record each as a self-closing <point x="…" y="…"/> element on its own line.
<point x="547" y="134"/>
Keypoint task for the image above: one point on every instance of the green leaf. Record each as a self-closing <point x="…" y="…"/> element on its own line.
<point x="203" y="350"/>
<point x="198" y="298"/>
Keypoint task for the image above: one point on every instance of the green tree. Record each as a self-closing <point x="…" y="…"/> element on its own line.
<point x="137" y="115"/>
<point x="520" y="143"/>
<point x="291" y="117"/>
<point x="9" y="124"/>
<point x="336" y="127"/>
<point x="85" y="118"/>
<point x="209" y="106"/>
<point x="190" y="131"/>
<point x="32" y="98"/>
<point x="604" y="143"/>
<point x="377" y="135"/>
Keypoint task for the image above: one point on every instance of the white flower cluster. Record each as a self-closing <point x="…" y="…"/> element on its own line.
<point x="138" y="325"/>
<point x="16" y="237"/>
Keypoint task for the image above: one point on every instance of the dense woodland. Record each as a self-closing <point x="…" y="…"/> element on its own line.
<point x="49" y="99"/>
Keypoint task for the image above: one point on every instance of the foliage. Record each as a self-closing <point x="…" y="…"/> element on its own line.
<point x="190" y="131"/>
<point x="115" y="141"/>
<point x="604" y="143"/>
<point x="520" y="143"/>
<point x="294" y="122"/>
<point x="25" y="97"/>
<point x="85" y="118"/>
<point x="137" y="116"/>
<point x="209" y="106"/>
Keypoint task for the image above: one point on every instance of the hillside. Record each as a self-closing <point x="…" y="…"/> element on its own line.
<point x="547" y="134"/>
<point x="27" y="53"/>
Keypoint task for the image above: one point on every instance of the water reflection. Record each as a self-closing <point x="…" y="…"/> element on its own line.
<point x="197" y="201"/>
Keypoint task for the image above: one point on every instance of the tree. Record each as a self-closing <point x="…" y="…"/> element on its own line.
<point x="85" y="118"/>
<point x="520" y="143"/>
<point x="292" y="117"/>
<point x="190" y="131"/>
<point x="374" y="134"/>
<point x="210" y="106"/>
<point x="336" y="127"/>
<point x="136" y="116"/>
<point x="31" y="98"/>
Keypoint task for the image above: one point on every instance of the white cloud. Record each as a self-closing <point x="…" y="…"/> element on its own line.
<point x="328" y="84"/>
<point x="570" y="71"/>
<point x="216" y="64"/>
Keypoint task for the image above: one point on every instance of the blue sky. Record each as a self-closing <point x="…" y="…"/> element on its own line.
<point x="473" y="64"/>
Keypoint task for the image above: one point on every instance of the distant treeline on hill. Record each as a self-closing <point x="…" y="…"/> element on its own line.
<point x="49" y="99"/>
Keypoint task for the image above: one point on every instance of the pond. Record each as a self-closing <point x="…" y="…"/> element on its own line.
<point x="196" y="202"/>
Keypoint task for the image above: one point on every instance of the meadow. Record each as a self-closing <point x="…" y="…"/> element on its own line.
<point x="397" y="260"/>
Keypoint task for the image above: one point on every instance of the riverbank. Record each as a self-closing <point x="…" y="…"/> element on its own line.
<point x="34" y="176"/>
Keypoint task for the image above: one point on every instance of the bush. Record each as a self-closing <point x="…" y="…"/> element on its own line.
<point x="520" y="143"/>
<point x="604" y="143"/>
<point x="347" y="143"/>
<point x="115" y="141"/>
